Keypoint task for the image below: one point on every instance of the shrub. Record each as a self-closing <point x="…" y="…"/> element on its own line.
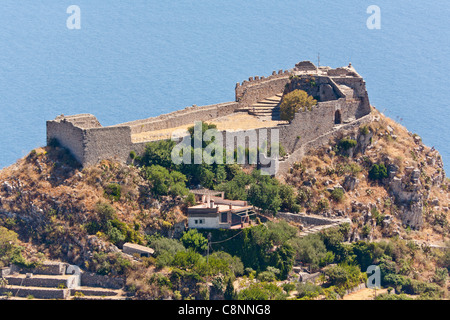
<point x="221" y="262"/>
<point x="190" y="199"/>
<point x="108" y="264"/>
<point x="279" y="232"/>
<point x="346" y="144"/>
<point x="295" y="101"/>
<point x="230" y="293"/>
<point x="378" y="172"/>
<point x="308" y="290"/>
<point x="322" y="205"/>
<point x="387" y="296"/>
<point x="113" y="191"/>
<point x="266" y="276"/>
<point x="337" y="194"/>
<point x="288" y="199"/>
<point x="190" y="260"/>
<point x="364" y="130"/>
<point x="107" y="222"/>
<point x="262" y="291"/>
<point x="440" y="276"/>
<point x="303" y="195"/>
<point x="288" y="287"/>
<point x="345" y="276"/>
<point x="164" y="259"/>
<point x="366" y="229"/>
<point x="162" y="244"/>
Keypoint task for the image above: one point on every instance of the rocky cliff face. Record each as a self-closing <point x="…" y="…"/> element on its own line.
<point x="411" y="191"/>
<point x="49" y="200"/>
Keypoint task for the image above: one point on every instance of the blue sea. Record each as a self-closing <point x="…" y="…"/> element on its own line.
<point x="137" y="59"/>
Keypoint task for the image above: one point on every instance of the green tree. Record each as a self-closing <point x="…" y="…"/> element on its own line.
<point x="159" y="153"/>
<point x="195" y="240"/>
<point x="295" y="101"/>
<point x="188" y="260"/>
<point x="8" y="244"/>
<point x="165" y="182"/>
<point x="226" y="264"/>
<point x="283" y="259"/>
<point x="288" y="198"/>
<point x="333" y="240"/>
<point x="311" y="250"/>
<point x="235" y="189"/>
<point x="163" y="244"/>
<point x="264" y="194"/>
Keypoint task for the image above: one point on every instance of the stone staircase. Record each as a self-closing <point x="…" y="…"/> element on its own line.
<point x="267" y="109"/>
<point x="51" y="280"/>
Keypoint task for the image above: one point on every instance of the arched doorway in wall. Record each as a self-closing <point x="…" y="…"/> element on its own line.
<point x="337" y="117"/>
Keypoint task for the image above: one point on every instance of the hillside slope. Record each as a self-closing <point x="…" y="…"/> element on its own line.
<point x="381" y="176"/>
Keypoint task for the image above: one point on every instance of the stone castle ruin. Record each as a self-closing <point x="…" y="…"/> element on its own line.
<point x="342" y="103"/>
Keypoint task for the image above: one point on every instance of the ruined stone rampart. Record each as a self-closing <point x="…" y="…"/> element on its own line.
<point x="341" y="94"/>
<point x="68" y="135"/>
<point x="182" y="117"/>
<point x="112" y="143"/>
<point x="258" y="88"/>
<point x="302" y="149"/>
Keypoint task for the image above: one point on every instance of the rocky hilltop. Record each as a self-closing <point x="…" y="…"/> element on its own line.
<point x="383" y="177"/>
<point x="379" y="175"/>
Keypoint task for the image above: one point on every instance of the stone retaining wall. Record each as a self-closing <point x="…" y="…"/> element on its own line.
<point x="95" y="280"/>
<point x="308" y="220"/>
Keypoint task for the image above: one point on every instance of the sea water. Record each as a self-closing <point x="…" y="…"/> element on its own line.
<point x="137" y="59"/>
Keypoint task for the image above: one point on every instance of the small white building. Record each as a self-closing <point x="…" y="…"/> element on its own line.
<point x="215" y="212"/>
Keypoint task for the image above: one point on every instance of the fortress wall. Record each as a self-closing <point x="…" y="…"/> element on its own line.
<point x="351" y="110"/>
<point x="68" y="136"/>
<point x="359" y="86"/>
<point x="182" y="117"/>
<point x="242" y="138"/>
<point x="303" y="82"/>
<point x="317" y="142"/>
<point x="308" y="125"/>
<point x="84" y="120"/>
<point x="112" y="143"/>
<point x="257" y="89"/>
<point x="89" y="142"/>
<point x="139" y="147"/>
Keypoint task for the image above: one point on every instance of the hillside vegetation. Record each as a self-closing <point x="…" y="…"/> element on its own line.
<point x="391" y="186"/>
